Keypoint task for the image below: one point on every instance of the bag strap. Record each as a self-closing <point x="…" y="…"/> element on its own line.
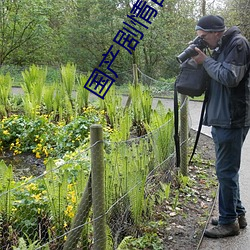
<point x="176" y="126"/>
<point x="199" y="127"/>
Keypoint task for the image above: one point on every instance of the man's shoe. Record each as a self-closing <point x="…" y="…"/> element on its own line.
<point x="221" y="231"/>
<point x="241" y="219"/>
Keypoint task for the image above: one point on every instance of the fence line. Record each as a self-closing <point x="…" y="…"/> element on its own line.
<point x="121" y="212"/>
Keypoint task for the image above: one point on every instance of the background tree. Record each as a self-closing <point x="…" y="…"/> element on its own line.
<point x="237" y="13"/>
<point x="21" y="26"/>
<point x="55" y="32"/>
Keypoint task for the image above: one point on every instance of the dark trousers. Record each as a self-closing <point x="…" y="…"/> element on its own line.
<point x="228" y="145"/>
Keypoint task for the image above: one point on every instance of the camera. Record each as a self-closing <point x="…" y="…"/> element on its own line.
<point x="190" y="51"/>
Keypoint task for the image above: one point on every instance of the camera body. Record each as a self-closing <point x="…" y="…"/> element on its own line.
<point x="190" y="51"/>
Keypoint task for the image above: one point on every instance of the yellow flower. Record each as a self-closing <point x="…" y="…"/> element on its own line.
<point x="73" y="199"/>
<point x="37" y="196"/>
<point x="38" y="156"/>
<point x="69" y="211"/>
<point x="14" y="209"/>
<point x="6" y="132"/>
<point x="31" y="187"/>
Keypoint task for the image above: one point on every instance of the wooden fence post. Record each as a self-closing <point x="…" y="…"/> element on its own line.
<point x="135" y="74"/>
<point x="80" y="218"/>
<point x="98" y="194"/>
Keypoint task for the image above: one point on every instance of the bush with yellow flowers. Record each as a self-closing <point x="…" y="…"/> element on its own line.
<point x="43" y="137"/>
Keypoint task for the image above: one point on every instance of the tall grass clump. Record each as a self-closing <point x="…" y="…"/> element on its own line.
<point x="5" y="90"/>
<point x="34" y="80"/>
<point x="161" y="130"/>
<point x="141" y="106"/>
<point x="82" y="94"/>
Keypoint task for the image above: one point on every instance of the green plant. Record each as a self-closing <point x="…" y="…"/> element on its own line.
<point x="141" y="104"/>
<point x="6" y="196"/>
<point x="161" y="126"/>
<point x="68" y="74"/>
<point x="30" y="208"/>
<point x="29" y="244"/>
<point x="147" y="241"/>
<point x="82" y="95"/>
<point x="184" y="181"/>
<point x="45" y="138"/>
<point x="126" y="173"/>
<point x="164" y="191"/>
<point x="5" y="90"/>
<point x="176" y="199"/>
<point x="33" y="85"/>
<point x="113" y="108"/>
<point x="48" y="98"/>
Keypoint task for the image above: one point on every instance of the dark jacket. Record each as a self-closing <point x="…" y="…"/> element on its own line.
<point x="228" y="103"/>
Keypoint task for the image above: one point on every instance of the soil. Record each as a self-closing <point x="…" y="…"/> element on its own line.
<point x="25" y="164"/>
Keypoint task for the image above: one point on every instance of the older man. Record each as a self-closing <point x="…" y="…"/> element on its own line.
<point x="228" y="112"/>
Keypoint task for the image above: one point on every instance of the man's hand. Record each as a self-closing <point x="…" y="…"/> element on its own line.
<point x="200" y="58"/>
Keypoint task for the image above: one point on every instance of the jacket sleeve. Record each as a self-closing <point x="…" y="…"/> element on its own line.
<point x="234" y="65"/>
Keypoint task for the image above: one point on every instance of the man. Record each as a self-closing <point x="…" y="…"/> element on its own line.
<point x="228" y="112"/>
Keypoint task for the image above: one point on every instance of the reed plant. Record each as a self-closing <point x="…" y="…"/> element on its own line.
<point x="126" y="172"/>
<point x="82" y="94"/>
<point x="161" y="130"/>
<point x="62" y="107"/>
<point x="56" y="187"/>
<point x="34" y="80"/>
<point x="112" y="105"/>
<point x="48" y="98"/>
<point x="6" y="184"/>
<point x="5" y="90"/>
<point x="68" y="74"/>
<point x="141" y="105"/>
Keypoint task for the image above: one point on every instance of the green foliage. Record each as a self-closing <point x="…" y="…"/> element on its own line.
<point x="112" y="105"/>
<point x="48" y="98"/>
<point x="126" y="172"/>
<point x="43" y="137"/>
<point x="164" y="191"/>
<point x="33" y="85"/>
<point x="128" y="161"/>
<point x="68" y="73"/>
<point x="29" y="245"/>
<point x="5" y="89"/>
<point x="30" y="206"/>
<point x="141" y="104"/>
<point x="147" y="241"/>
<point x="6" y="184"/>
<point x="56" y="183"/>
<point x="82" y="98"/>
<point x="23" y="25"/>
<point x="161" y="126"/>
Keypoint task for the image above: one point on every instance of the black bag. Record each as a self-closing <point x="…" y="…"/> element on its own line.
<point x="192" y="80"/>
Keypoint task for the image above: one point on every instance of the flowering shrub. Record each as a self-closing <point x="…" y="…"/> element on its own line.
<point x="43" y="137"/>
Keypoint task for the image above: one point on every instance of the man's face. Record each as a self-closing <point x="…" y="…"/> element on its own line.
<point x="211" y="38"/>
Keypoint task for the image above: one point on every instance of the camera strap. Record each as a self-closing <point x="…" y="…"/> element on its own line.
<point x="199" y="127"/>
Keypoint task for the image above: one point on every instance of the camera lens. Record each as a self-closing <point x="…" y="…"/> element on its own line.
<point x="187" y="53"/>
<point x="190" y="50"/>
